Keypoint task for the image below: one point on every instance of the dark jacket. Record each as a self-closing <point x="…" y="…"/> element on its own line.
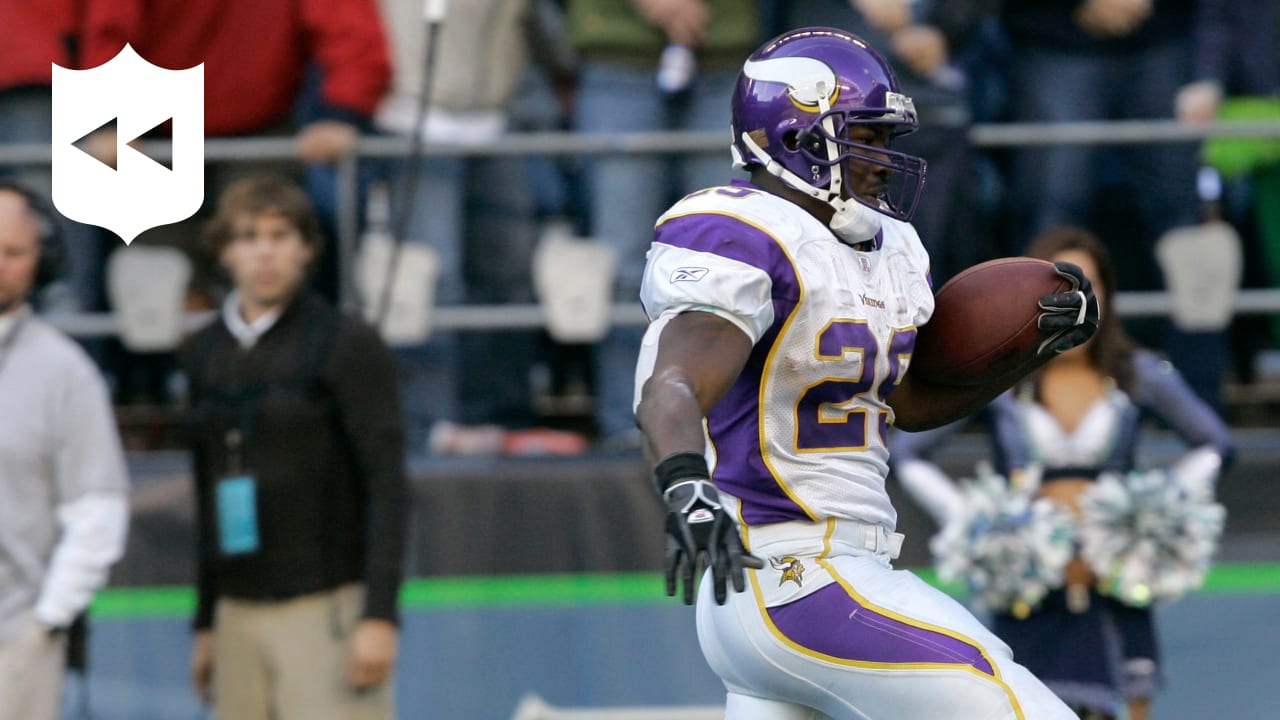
<point x="315" y="401"/>
<point x="941" y="100"/>
<point x="1237" y="44"/>
<point x="1051" y="24"/>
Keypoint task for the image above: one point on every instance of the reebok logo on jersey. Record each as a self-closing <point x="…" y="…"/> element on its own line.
<point x="688" y="274"/>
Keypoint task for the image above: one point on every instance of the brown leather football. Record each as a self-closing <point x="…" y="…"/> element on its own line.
<point x="984" y="322"/>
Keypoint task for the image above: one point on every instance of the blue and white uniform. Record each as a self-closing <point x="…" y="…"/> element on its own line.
<point x="797" y="450"/>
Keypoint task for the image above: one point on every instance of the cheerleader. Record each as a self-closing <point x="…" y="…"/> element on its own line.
<point x="1079" y="417"/>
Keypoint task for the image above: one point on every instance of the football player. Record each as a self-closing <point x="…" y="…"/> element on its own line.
<point x="783" y="315"/>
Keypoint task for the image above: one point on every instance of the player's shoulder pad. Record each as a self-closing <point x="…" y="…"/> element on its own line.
<point x="742" y="223"/>
<point x="901" y="237"/>
<point x="748" y="205"/>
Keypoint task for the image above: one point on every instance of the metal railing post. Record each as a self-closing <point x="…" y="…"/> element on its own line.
<point x="347" y="189"/>
<point x="347" y="202"/>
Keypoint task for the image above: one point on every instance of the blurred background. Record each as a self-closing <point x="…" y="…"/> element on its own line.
<point x="518" y="199"/>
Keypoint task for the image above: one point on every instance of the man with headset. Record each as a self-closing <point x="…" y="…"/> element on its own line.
<point x="63" y="483"/>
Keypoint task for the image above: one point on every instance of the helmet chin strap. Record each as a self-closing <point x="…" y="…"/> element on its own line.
<point x="853" y="222"/>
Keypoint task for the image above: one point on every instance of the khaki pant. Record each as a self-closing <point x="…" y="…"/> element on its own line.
<point x="285" y="660"/>
<point x="32" y="664"/>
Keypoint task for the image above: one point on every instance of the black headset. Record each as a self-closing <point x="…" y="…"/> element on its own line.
<point x="53" y="253"/>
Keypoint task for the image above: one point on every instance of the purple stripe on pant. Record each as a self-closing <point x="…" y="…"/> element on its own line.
<point x="834" y="624"/>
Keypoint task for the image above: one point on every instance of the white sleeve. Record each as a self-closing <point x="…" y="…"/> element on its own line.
<point x="92" y="530"/>
<point x="677" y="280"/>
<point x="1199" y="468"/>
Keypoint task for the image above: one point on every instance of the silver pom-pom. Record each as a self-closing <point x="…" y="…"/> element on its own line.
<point x="1009" y="546"/>
<point x="1150" y="536"/>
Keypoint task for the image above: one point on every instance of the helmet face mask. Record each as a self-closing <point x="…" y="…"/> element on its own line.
<point x="796" y="102"/>
<point x="898" y="198"/>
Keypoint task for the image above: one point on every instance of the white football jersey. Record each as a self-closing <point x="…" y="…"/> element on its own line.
<point x="801" y="434"/>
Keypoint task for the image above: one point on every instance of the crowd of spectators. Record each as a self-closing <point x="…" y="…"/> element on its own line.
<point x="327" y="72"/>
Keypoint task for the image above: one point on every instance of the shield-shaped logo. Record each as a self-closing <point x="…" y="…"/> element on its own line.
<point x="139" y="193"/>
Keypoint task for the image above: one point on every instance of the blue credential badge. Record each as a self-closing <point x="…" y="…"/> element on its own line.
<point x="238" y="515"/>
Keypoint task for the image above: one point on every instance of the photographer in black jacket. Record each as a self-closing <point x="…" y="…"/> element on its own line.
<point x="301" y="489"/>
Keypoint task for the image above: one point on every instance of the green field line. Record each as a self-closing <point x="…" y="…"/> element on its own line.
<point x="1243" y="578"/>
<point x="570" y="590"/>
<point x="144" y="602"/>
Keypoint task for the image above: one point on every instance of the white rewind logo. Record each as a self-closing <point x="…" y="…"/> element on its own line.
<point x="139" y="193"/>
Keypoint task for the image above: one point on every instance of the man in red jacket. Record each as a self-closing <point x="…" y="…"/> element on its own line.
<point x="255" y="57"/>
<point x="25" y="75"/>
<point x="255" y="54"/>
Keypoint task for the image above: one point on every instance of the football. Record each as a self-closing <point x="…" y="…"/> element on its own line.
<point x="984" y="322"/>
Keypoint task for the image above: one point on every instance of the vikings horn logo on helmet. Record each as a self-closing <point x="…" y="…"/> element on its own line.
<point x="791" y="569"/>
<point x="809" y="80"/>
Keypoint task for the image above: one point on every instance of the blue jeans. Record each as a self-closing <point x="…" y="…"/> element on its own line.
<point x="1055" y="185"/>
<point x="477" y="214"/>
<point x="501" y="231"/>
<point x="627" y="193"/>
<point x="429" y="371"/>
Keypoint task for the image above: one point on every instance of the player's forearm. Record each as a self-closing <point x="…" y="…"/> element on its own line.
<point x="698" y="357"/>
<point x="670" y="416"/>
<point x="921" y="405"/>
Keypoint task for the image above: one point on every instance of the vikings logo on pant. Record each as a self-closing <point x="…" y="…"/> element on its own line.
<point x="791" y="569"/>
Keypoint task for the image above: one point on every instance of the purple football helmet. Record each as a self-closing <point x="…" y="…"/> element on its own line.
<point x="795" y="100"/>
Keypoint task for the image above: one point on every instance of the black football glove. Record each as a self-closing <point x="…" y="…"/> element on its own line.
<point x="1070" y="318"/>
<point x="699" y="532"/>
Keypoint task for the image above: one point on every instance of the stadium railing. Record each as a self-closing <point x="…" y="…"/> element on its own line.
<point x="475" y="317"/>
